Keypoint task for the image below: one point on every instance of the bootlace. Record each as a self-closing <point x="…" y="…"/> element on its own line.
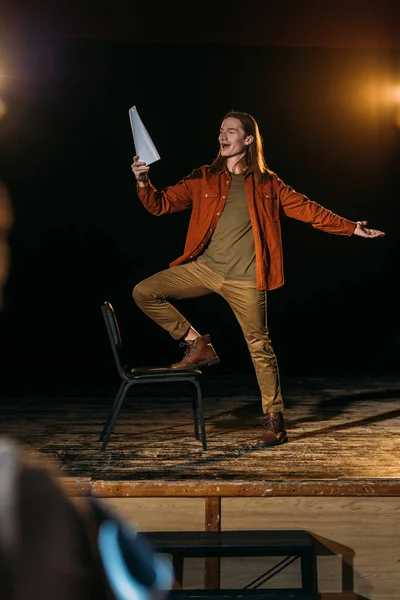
<point x="271" y="423"/>
<point x="189" y="348"/>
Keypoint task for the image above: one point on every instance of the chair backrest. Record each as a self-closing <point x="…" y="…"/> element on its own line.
<point x="113" y="332"/>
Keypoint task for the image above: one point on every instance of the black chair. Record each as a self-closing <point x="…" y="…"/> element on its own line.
<point x="146" y="375"/>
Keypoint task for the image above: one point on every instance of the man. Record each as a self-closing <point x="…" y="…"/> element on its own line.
<point x="233" y="248"/>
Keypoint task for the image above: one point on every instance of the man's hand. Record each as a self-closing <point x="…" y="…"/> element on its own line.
<point x="140" y="171"/>
<point x="365" y="232"/>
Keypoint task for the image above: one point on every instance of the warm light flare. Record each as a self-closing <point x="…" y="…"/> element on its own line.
<point x="394" y="100"/>
<point x="396" y="93"/>
<point x="3" y="107"/>
<point x="381" y="96"/>
<point x="390" y="94"/>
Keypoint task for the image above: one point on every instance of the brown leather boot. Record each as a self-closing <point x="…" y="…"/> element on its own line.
<point x="198" y="353"/>
<point x="274" y="430"/>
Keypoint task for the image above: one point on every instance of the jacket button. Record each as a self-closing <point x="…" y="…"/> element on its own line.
<point x="206" y="195"/>
<point x="224" y="196"/>
<point x="210" y="230"/>
<point x="218" y="214"/>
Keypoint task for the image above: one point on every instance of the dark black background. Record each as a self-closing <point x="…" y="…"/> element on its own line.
<point x="81" y="235"/>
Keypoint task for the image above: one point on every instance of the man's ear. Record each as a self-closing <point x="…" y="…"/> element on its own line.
<point x="249" y="140"/>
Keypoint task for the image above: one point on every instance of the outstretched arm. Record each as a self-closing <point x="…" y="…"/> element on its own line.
<point x="298" y="206"/>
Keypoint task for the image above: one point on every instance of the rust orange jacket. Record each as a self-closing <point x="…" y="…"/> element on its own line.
<point x="205" y="194"/>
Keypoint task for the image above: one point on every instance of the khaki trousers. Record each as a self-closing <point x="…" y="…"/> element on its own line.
<point x="249" y="305"/>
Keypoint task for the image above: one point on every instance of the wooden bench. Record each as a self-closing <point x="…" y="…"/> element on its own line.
<point x="220" y="544"/>
<point x="295" y="594"/>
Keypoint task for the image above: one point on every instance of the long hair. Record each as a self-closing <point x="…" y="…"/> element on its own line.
<point x="254" y="157"/>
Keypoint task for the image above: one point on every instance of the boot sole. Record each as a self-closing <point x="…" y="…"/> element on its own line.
<point x="277" y="443"/>
<point x="204" y="363"/>
<point x="208" y="363"/>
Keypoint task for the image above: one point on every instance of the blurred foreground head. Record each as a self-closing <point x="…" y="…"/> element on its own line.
<point x="6" y="222"/>
<point x="45" y="551"/>
<point x="51" y="550"/>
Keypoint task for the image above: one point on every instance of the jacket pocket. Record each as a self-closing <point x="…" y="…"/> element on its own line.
<point x="204" y="206"/>
<point x="268" y="206"/>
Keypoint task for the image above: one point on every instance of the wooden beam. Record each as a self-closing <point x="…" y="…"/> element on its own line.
<point x="223" y="489"/>
<point x="212" y="568"/>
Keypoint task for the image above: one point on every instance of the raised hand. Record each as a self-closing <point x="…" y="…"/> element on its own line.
<point x="140" y="170"/>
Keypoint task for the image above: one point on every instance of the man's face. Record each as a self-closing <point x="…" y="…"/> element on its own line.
<point x="232" y="138"/>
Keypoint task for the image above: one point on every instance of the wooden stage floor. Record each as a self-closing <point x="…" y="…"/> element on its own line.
<point x="344" y="437"/>
<point x="338" y="478"/>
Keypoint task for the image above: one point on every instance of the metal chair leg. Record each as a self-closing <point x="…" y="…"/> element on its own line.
<point x="127" y="385"/>
<point x="195" y="418"/>
<point x="201" y="415"/>
<point x="110" y="414"/>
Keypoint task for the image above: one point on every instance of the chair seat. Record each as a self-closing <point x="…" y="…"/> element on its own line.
<point x="164" y="371"/>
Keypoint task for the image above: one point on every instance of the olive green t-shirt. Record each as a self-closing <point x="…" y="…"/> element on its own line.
<point x="231" y="251"/>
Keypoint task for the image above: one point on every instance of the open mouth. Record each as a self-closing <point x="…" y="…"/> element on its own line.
<point x="225" y="146"/>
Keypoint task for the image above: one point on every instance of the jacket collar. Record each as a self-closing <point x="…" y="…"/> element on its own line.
<point x="226" y="172"/>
